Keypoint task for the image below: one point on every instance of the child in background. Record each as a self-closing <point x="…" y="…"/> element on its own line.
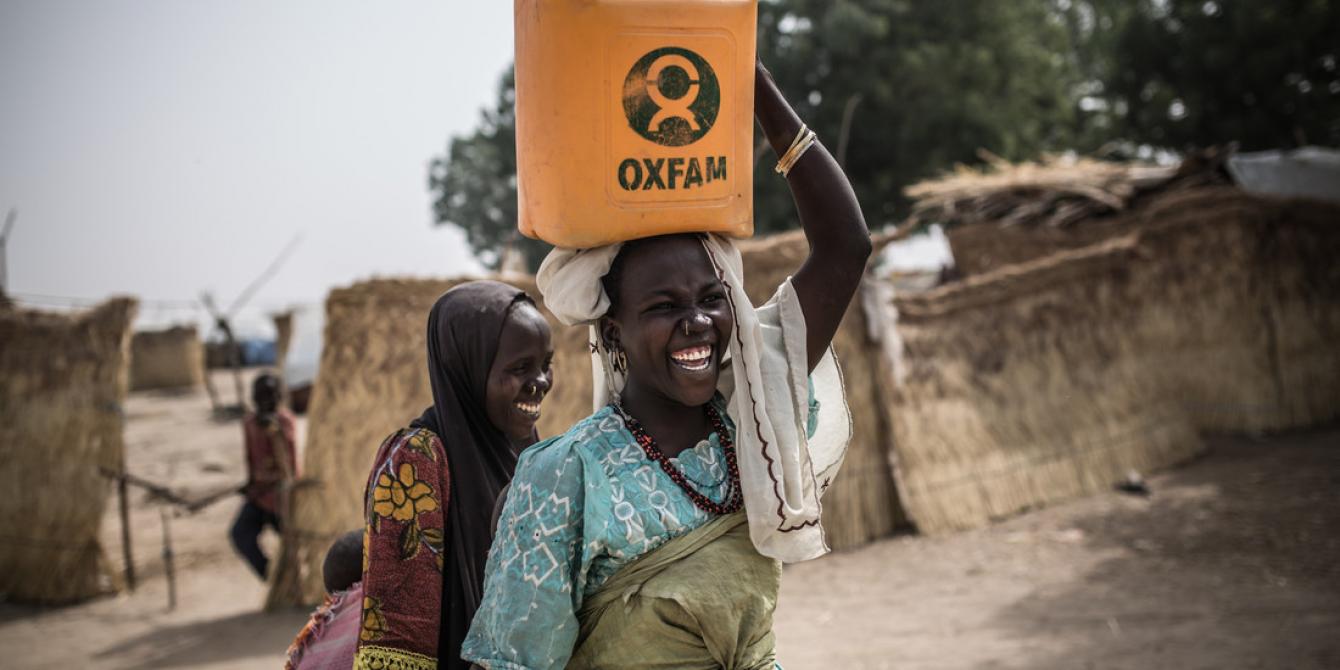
<point x="269" y="437"/>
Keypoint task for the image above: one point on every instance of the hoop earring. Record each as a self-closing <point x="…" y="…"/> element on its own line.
<point x="619" y="360"/>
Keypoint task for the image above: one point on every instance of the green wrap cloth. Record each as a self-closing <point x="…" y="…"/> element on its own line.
<point x="702" y="600"/>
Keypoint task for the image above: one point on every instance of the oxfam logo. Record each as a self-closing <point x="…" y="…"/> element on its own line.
<point x="671" y="97"/>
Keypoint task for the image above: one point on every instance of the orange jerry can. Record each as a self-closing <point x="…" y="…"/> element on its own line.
<point x="634" y="118"/>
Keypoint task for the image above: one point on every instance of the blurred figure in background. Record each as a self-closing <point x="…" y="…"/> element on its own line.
<point x="271" y="463"/>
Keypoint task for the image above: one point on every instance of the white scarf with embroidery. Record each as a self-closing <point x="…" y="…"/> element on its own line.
<point x="783" y="472"/>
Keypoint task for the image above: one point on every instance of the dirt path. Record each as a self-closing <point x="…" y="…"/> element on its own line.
<point x="171" y="439"/>
<point x="1234" y="562"/>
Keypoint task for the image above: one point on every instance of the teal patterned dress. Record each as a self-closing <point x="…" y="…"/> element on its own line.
<point x="581" y="506"/>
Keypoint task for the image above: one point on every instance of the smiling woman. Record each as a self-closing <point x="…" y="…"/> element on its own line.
<point x="670" y="318"/>
<point x="434" y="484"/>
<point x="650" y="534"/>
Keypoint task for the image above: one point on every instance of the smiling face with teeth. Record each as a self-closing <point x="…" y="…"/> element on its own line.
<point x="660" y="287"/>
<point x="521" y="373"/>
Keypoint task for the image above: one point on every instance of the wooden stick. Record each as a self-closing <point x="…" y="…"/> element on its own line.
<point x="123" y="501"/>
<point x="168" y="567"/>
<point x="210" y="499"/>
<point x="286" y="568"/>
<point x="157" y="489"/>
<point x="214" y="403"/>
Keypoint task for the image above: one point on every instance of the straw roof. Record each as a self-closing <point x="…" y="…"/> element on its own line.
<point x="1056" y="192"/>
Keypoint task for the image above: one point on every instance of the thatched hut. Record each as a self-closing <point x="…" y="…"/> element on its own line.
<point x="63" y="380"/>
<point x="1210" y="310"/>
<point x="173" y="358"/>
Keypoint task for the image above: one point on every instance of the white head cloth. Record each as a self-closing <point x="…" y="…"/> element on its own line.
<point x="782" y="471"/>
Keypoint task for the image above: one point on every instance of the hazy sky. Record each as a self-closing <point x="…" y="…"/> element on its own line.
<point x="159" y="148"/>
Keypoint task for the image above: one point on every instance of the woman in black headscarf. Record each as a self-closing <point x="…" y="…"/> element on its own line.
<point x="434" y="484"/>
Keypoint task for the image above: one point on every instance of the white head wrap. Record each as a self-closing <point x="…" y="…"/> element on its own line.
<point x="782" y="471"/>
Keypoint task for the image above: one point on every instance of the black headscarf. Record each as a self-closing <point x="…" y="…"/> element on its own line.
<point x="463" y="332"/>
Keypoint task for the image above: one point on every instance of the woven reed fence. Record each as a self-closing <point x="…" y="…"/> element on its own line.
<point x="63" y="380"/>
<point x="166" y="359"/>
<point x="1045" y="380"/>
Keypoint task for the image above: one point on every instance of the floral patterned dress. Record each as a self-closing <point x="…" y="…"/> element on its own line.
<point x="581" y="506"/>
<point x="406" y="499"/>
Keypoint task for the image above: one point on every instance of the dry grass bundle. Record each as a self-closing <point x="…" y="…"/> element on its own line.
<point x="1302" y="279"/>
<point x="981" y="249"/>
<point x="1058" y="192"/>
<point x="283" y="337"/>
<point x="1024" y="388"/>
<point x="372" y="380"/>
<point x="1251" y="294"/>
<point x="1009" y="213"/>
<point x="166" y="359"/>
<point x="863" y="503"/>
<point x="1048" y="379"/>
<point x="63" y="380"/>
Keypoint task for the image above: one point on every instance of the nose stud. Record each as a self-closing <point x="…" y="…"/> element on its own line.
<point x="699" y="319"/>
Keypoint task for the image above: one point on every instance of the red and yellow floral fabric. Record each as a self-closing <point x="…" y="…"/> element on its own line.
<point x="406" y="501"/>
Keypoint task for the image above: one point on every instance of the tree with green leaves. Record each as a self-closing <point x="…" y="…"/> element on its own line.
<point x="1178" y="74"/>
<point x="901" y="90"/>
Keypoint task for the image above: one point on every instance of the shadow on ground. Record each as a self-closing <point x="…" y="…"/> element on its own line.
<point x="212" y="641"/>
<point x="1246" y="546"/>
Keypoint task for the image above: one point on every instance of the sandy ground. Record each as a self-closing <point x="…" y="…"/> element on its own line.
<point x="1233" y="562"/>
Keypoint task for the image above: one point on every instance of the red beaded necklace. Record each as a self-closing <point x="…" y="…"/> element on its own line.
<point x="734" y="501"/>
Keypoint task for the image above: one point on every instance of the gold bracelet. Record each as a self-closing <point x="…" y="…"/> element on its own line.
<point x="786" y="155"/>
<point x="800" y="137"/>
<point x="794" y="155"/>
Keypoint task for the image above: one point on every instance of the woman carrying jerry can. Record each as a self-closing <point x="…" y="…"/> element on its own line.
<point x="650" y="534"/>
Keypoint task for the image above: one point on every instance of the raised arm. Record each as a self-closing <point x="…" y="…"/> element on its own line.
<point x="830" y="215"/>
